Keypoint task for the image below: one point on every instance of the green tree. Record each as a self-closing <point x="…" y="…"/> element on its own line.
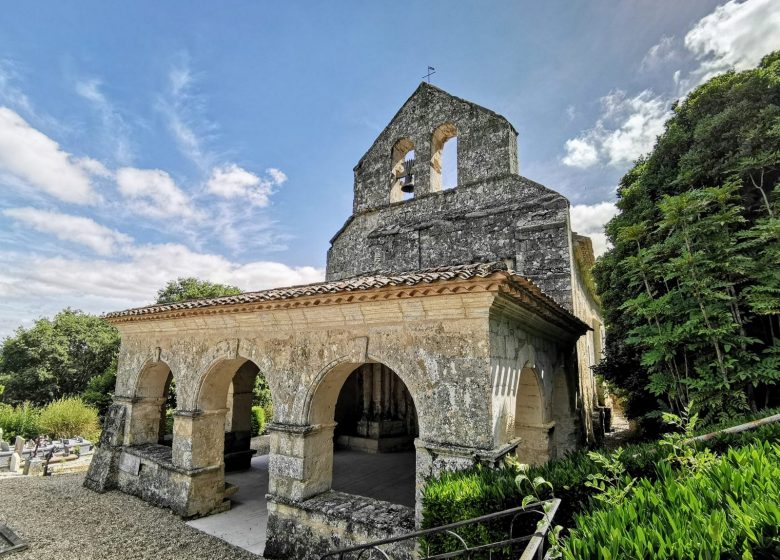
<point x="184" y="289"/>
<point x="691" y="287"/>
<point x="56" y="357"/>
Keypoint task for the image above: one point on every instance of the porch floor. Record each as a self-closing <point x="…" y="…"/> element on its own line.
<point x="385" y="476"/>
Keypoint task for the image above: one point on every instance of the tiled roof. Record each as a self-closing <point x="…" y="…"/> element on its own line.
<point x="360" y="283"/>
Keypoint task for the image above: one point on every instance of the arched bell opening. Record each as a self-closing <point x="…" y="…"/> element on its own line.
<point x="444" y="158"/>
<point x="402" y="171"/>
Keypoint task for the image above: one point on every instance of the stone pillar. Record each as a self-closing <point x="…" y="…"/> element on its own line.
<point x="386" y="392"/>
<point x="198" y="438"/>
<point x="377" y="392"/>
<point x="238" y="430"/>
<point x="102" y="474"/>
<point x="301" y="461"/>
<point x="368" y="386"/>
<point x="144" y="420"/>
<point x="535" y="443"/>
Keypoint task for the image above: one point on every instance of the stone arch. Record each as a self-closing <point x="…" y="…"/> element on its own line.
<point x="389" y="424"/>
<point x="400" y="152"/>
<point x="200" y="438"/>
<point x="147" y="407"/>
<point x="531" y="424"/>
<point x="441" y="135"/>
<point x="330" y="379"/>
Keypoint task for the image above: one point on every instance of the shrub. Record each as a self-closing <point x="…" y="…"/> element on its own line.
<point x="70" y="417"/>
<point x="728" y="510"/>
<point x="100" y="390"/>
<point x="20" y="420"/>
<point x="456" y="496"/>
<point x="258" y="420"/>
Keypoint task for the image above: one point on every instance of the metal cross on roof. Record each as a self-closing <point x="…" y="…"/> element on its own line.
<point x="431" y="72"/>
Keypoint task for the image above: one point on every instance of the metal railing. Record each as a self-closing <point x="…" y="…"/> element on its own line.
<point x="503" y="548"/>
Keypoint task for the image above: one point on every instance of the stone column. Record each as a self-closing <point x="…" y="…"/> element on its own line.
<point x="198" y="439"/>
<point x="143" y="420"/>
<point x="377" y="392"/>
<point x="368" y="386"/>
<point x="102" y="474"/>
<point x="535" y="443"/>
<point x="387" y="392"/>
<point x="301" y="461"/>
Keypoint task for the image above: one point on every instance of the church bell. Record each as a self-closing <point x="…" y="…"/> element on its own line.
<point x="407" y="180"/>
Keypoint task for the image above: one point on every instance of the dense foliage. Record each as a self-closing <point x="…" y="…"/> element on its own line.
<point x="456" y="496"/>
<point x="691" y="287"/>
<point x="67" y="417"/>
<point x="729" y="510"/>
<point x="20" y="420"/>
<point x="184" y="289"/>
<point x="56" y="357"/>
<point x="258" y="421"/>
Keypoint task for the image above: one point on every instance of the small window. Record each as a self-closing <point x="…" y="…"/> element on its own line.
<point x="444" y="158"/>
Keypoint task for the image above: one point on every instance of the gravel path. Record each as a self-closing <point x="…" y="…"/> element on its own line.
<point x="60" y="519"/>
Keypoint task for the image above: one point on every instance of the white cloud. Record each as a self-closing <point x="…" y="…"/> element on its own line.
<point x="580" y="153"/>
<point x="736" y="35"/>
<point x="153" y="193"/>
<point x="75" y="229"/>
<point x="626" y="129"/>
<point x="36" y="160"/>
<point x="276" y="175"/>
<point x="115" y="129"/>
<point x="10" y="94"/>
<point x="640" y="119"/>
<point x="183" y="111"/>
<point x="662" y="53"/>
<point x="231" y="181"/>
<point x="589" y="219"/>
<point x="39" y="285"/>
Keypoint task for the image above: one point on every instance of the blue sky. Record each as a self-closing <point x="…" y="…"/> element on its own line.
<point x="148" y="140"/>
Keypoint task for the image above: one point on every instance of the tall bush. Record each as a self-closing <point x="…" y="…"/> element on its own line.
<point x="70" y="417"/>
<point x="258" y="420"/>
<point x="21" y="420"/>
<point x="691" y="287"/>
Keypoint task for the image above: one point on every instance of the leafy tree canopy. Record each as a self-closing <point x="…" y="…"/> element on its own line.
<point x="185" y="289"/>
<point x="56" y="357"/>
<point x="691" y="287"/>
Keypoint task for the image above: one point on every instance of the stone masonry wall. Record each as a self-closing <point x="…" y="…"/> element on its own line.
<point x="504" y="218"/>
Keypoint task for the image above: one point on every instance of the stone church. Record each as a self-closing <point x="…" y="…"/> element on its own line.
<point x="455" y="325"/>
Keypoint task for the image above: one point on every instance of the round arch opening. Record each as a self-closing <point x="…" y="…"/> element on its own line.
<point x="376" y="424"/>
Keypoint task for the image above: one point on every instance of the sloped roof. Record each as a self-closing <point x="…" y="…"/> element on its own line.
<point x="363" y="283"/>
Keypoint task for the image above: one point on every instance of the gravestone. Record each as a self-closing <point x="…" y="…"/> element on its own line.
<point x="16" y="458"/>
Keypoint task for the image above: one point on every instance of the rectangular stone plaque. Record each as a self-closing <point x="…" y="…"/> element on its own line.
<point x="129" y="463"/>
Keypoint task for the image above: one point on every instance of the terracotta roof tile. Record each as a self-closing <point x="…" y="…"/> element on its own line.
<point x="360" y="283"/>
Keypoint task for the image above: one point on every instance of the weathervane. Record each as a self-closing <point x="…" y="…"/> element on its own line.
<point x="431" y="72"/>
